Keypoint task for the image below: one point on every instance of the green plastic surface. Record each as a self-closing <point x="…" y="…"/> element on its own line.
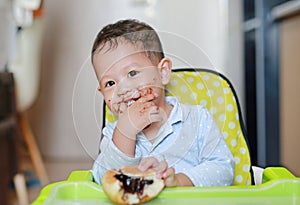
<point x="279" y="187"/>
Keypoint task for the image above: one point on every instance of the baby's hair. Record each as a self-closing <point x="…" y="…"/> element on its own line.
<point x="132" y="31"/>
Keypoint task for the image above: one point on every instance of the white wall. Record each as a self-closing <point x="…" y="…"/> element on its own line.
<point x="67" y="115"/>
<point x="4" y="33"/>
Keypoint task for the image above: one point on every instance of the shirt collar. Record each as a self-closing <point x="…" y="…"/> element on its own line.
<point x="176" y="113"/>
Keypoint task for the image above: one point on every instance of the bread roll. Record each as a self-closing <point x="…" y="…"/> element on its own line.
<point x="131" y="186"/>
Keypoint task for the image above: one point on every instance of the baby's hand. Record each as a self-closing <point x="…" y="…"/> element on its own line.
<point x="170" y="177"/>
<point x="152" y="163"/>
<point x="161" y="168"/>
<point x="135" y="117"/>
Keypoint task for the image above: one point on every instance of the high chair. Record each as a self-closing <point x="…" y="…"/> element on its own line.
<point x="213" y="90"/>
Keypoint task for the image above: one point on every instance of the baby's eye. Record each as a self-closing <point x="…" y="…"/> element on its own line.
<point x="132" y="73"/>
<point x="109" y="83"/>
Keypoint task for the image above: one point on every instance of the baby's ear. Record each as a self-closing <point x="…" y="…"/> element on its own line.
<point x="165" y="68"/>
<point x="99" y="88"/>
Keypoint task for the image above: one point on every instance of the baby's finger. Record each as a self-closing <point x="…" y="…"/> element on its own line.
<point x="156" y="117"/>
<point x="115" y="107"/>
<point x="170" y="178"/>
<point x="148" y="107"/>
<point x="147" y="98"/>
<point x="169" y="172"/>
<point x="122" y="107"/>
<point x="147" y="163"/>
<point x="161" y="168"/>
<point x="145" y="91"/>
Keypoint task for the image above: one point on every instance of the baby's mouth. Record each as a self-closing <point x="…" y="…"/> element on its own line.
<point x="133" y="96"/>
<point x="130" y="101"/>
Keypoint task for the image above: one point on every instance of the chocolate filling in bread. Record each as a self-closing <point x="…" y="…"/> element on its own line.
<point x="133" y="184"/>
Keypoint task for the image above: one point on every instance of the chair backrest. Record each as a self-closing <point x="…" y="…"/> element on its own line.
<point x="213" y="90"/>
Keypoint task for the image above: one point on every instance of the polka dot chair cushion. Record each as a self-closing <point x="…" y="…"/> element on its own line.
<point x="213" y="90"/>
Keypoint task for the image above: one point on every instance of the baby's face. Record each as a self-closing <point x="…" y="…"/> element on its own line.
<point x="125" y="74"/>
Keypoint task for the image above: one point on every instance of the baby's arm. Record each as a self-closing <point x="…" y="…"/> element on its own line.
<point x="132" y="120"/>
<point x="119" y="139"/>
<point x="110" y="156"/>
<point x="216" y="163"/>
<point x="216" y="170"/>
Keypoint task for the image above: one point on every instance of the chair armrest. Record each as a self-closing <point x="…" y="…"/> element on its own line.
<point x="81" y="176"/>
<point x="276" y="173"/>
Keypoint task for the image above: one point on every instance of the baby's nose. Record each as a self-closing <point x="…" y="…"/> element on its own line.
<point x="122" y="91"/>
<point x="124" y="87"/>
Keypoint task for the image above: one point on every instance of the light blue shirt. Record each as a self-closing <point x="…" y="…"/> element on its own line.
<point x="190" y="141"/>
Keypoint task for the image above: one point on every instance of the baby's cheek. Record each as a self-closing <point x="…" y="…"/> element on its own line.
<point x="109" y="104"/>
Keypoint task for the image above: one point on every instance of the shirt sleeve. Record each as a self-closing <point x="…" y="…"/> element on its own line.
<point x="216" y="163"/>
<point x="110" y="156"/>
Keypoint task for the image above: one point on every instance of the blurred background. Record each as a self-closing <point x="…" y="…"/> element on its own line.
<point x="254" y="43"/>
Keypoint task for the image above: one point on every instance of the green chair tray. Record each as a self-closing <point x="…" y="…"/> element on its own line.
<point x="279" y="187"/>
